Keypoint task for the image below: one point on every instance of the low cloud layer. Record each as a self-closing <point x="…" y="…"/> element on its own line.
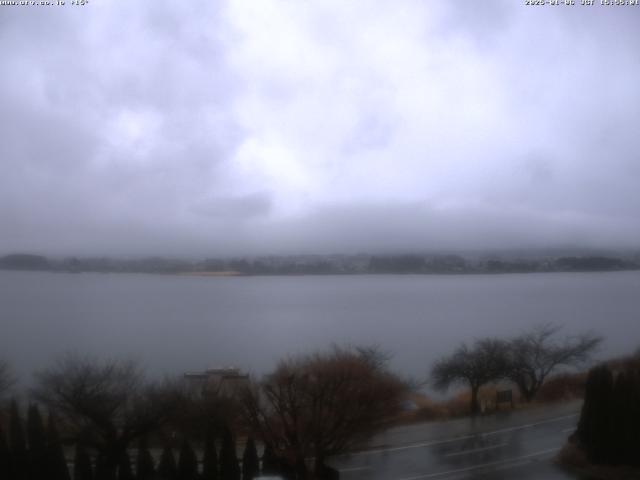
<point x="280" y="126"/>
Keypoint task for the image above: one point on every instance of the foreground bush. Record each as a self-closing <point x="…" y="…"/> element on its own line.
<point x="609" y="427"/>
<point x="333" y="401"/>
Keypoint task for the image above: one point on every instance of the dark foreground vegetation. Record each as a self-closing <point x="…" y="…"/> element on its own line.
<point x="106" y="421"/>
<point x="332" y="264"/>
<point x="120" y="426"/>
<point x="606" y="443"/>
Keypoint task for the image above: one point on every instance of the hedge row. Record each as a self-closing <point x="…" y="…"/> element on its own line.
<point x="36" y="453"/>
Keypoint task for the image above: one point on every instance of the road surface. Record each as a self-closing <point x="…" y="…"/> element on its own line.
<point x="510" y="445"/>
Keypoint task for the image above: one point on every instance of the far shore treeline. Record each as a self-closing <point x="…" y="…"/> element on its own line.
<point x="339" y="264"/>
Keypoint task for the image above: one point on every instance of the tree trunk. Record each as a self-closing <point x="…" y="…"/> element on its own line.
<point x="301" y="468"/>
<point x="324" y="472"/>
<point x="110" y="456"/>
<point x="318" y="463"/>
<point x="529" y="392"/>
<point x="475" y="406"/>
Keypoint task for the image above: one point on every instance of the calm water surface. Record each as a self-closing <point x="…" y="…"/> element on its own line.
<point x="172" y="323"/>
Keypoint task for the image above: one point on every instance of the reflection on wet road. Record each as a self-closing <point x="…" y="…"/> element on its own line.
<point x="519" y="445"/>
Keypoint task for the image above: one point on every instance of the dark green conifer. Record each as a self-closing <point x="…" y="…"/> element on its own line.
<point x="56" y="461"/>
<point x="250" y="461"/>
<point x="82" y="469"/>
<point x="17" y="445"/>
<point x="229" y="466"/>
<point x="167" y="469"/>
<point x="594" y="425"/>
<point x="103" y="470"/>
<point x="187" y="463"/>
<point x="270" y="464"/>
<point x="602" y="448"/>
<point x="124" y="467"/>
<point x="36" y="438"/>
<point x="210" y="457"/>
<point x="287" y="471"/>
<point x="620" y="429"/>
<point x="5" y="457"/>
<point x="144" y="463"/>
<point x="634" y="419"/>
<point x="584" y="431"/>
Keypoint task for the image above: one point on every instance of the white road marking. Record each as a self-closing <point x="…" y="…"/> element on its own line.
<point x="457" y="439"/>
<point x="500" y="463"/>
<point x="572" y="429"/>
<point x="474" y="450"/>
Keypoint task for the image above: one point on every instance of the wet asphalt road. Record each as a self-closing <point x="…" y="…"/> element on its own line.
<point x="506" y="446"/>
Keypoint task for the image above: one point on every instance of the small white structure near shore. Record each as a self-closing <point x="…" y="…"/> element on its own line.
<point x="224" y="381"/>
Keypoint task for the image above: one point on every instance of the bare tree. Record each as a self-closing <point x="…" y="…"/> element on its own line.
<point x="107" y="404"/>
<point x="536" y="354"/>
<point x="374" y="355"/>
<point x="6" y="378"/>
<point x="196" y="411"/>
<point x="323" y="404"/>
<point x="484" y="362"/>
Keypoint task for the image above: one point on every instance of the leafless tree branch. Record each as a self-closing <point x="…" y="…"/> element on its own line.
<point x="322" y="404"/>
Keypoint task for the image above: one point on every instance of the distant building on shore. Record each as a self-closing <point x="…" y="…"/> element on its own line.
<point x="225" y="381"/>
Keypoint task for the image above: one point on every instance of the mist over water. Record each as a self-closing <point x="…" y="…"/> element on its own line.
<point x="174" y="324"/>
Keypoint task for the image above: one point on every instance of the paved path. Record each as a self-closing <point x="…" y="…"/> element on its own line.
<point x="510" y="445"/>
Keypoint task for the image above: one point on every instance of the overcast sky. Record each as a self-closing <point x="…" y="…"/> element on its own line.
<point x="213" y="128"/>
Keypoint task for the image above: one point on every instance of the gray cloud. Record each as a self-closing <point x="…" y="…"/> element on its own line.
<point x="236" y="207"/>
<point x="152" y="128"/>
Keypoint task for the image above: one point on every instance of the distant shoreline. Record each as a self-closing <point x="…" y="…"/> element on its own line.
<point x="360" y="264"/>
<point x="229" y="274"/>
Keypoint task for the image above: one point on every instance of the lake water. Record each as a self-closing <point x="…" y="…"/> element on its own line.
<point x="178" y="323"/>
